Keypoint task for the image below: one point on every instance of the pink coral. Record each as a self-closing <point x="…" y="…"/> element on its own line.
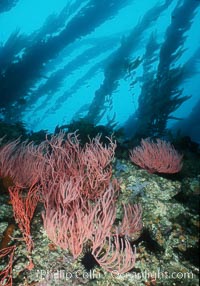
<point x="159" y="156"/>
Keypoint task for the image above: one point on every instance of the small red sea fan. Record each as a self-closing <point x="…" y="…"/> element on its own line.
<point x="157" y="157"/>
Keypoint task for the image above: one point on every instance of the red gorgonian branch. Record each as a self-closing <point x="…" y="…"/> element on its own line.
<point x="6" y="278"/>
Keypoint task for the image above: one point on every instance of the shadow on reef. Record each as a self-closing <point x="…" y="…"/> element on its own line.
<point x="191" y="254"/>
<point x="192" y="201"/>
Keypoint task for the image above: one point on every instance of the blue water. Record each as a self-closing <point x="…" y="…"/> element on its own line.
<point x="86" y="59"/>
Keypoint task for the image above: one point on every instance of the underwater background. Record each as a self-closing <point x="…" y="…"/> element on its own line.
<point x="130" y="64"/>
<point x="128" y="70"/>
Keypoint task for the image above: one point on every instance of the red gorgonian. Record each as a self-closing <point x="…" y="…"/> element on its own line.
<point x="157" y="157"/>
